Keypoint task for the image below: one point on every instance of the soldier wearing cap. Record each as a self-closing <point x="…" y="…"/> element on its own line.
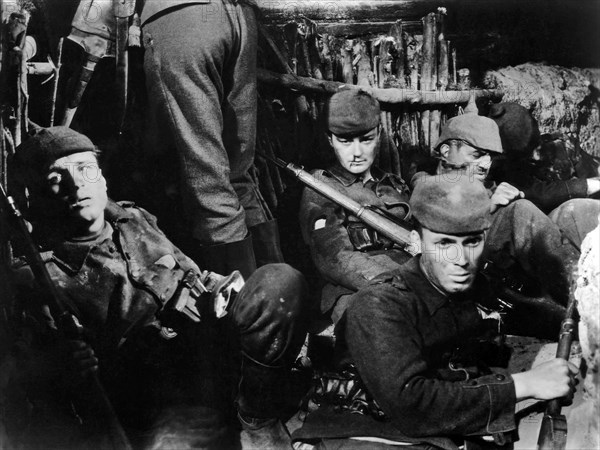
<point x="557" y="179"/>
<point x="118" y="269"/>
<point x="521" y="238"/>
<point x="550" y="170"/>
<point x="422" y="319"/>
<point x="346" y="252"/>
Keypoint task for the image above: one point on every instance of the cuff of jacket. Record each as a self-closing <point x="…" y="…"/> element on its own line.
<point x="501" y="395"/>
<point x="577" y="188"/>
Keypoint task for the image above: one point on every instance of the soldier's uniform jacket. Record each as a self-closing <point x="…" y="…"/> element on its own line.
<point x="425" y="386"/>
<point x="347" y="253"/>
<point x="152" y="8"/>
<point x="115" y="285"/>
<point x="559" y="175"/>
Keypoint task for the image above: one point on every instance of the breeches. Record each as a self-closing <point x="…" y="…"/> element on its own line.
<point x="200" y="66"/>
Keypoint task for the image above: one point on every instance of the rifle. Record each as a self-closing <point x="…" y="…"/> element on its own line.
<point x="399" y="233"/>
<point x="553" y="431"/>
<point x="394" y="231"/>
<point x="69" y="327"/>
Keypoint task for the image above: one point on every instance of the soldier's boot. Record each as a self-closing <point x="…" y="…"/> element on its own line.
<point x="225" y="258"/>
<point x="259" y="404"/>
<point x="266" y="243"/>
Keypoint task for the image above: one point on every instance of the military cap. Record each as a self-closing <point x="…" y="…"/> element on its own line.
<point x="519" y="131"/>
<point x="478" y="131"/>
<point x="451" y="203"/>
<point x="50" y="144"/>
<point x="352" y="112"/>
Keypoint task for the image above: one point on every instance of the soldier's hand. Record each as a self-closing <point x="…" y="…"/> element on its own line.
<point x="82" y="358"/>
<point x="547" y="381"/>
<point x="593" y="185"/>
<point x="504" y="194"/>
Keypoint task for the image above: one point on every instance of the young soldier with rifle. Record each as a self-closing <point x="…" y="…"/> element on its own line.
<point x="148" y="320"/>
<point x="346" y="252"/>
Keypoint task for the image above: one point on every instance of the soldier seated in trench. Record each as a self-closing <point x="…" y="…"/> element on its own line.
<point x="117" y="270"/>
<point x="429" y="362"/>
<point x="347" y="253"/>
<point x="549" y="169"/>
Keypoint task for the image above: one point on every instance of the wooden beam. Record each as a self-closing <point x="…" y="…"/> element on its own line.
<point x="354" y="10"/>
<point x="305" y="85"/>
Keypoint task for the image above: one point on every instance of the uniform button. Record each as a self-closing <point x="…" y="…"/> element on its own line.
<point x="473" y="382"/>
<point x="112" y="249"/>
<point x="499" y="377"/>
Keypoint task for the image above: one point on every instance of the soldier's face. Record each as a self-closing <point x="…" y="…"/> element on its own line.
<point x="477" y="162"/>
<point x="357" y="154"/>
<point x="77" y="184"/>
<point x="451" y="262"/>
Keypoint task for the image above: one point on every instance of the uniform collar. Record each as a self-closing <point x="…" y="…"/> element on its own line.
<point x="432" y="297"/>
<point x="71" y="255"/>
<point x="422" y="287"/>
<point x="347" y="179"/>
<point x="116" y="212"/>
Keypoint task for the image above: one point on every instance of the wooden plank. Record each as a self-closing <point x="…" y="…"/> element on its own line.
<point x="355" y="10"/>
<point x="389" y="95"/>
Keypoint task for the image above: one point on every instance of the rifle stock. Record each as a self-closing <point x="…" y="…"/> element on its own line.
<point x="95" y="395"/>
<point x="553" y="431"/>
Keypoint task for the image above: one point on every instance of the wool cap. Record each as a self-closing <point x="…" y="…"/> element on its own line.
<point x="451" y="203"/>
<point x="352" y="112"/>
<point x="50" y="144"/>
<point x="478" y="131"/>
<point x="519" y="131"/>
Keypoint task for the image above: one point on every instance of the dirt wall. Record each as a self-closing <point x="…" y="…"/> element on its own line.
<point x="561" y="99"/>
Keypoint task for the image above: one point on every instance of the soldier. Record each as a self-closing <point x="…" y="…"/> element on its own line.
<point x="433" y="384"/>
<point x="347" y="253"/>
<point x="200" y="66"/>
<point x="548" y="171"/>
<point x="117" y="269"/>
<point x="553" y="173"/>
<point x="521" y="237"/>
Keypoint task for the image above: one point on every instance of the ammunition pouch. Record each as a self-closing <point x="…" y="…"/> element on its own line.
<point x="199" y="294"/>
<point x="345" y="391"/>
<point x="474" y="358"/>
<point x="365" y="239"/>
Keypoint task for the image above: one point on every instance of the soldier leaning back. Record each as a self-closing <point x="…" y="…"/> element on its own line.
<point x="117" y="269"/>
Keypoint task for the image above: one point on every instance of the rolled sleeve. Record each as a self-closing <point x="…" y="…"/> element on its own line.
<point x="500" y="389"/>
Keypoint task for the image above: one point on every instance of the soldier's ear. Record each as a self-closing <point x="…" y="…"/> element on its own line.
<point x="444" y="150"/>
<point x="329" y="139"/>
<point x="415" y="241"/>
<point x="103" y="180"/>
